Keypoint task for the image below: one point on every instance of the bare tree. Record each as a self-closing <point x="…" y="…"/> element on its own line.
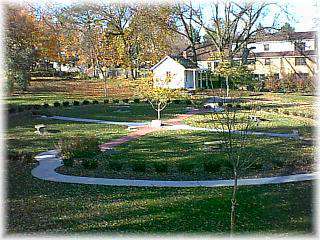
<point x="234" y="125"/>
<point x="233" y="25"/>
<point x="183" y="16"/>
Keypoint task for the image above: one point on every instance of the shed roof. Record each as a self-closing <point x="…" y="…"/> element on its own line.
<point x="289" y="36"/>
<point x="186" y="63"/>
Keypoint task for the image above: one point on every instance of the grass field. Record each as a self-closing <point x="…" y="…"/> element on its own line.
<point x="276" y="122"/>
<point x="21" y="136"/>
<point x="117" y="112"/>
<point x="283" y="114"/>
<point x="35" y="206"/>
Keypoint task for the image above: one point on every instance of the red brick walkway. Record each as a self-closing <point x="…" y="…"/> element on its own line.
<point x="145" y="130"/>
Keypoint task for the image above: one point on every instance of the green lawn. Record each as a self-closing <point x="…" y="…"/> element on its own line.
<point x="276" y="122"/>
<point x="283" y="113"/>
<point x="40" y="206"/>
<point x="21" y="136"/>
<point x="117" y="112"/>
<point x="40" y="98"/>
<point x="297" y="98"/>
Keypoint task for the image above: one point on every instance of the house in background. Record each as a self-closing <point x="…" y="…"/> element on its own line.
<point x="273" y="55"/>
<point x="282" y="54"/>
<point x="175" y="72"/>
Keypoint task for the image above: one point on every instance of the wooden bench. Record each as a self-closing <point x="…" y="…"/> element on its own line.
<point x="41" y="129"/>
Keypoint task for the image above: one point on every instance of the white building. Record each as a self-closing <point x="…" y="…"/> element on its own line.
<point x="175" y="72"/>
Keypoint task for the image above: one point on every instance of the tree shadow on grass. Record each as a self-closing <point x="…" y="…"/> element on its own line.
<point x="43" y="206"/>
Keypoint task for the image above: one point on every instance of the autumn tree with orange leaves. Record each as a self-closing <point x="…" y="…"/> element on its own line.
<point x="27" y="41"/>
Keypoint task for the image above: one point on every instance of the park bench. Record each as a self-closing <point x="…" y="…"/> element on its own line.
<point x="41" y="128"/>
<point x="132" y="128"/>
<point x="214" y="107"/>
<point x="257" y="119"/>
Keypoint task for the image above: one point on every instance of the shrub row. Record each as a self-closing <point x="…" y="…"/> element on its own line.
<point x="208" y="166"/>
<point x="84" y="102"/>
<point x="181" y="101"/>
<point x="23" y="108"/>
<point x="46" y="105"/>
<point x="163" y="167"/>
<point x="86" y="151"/>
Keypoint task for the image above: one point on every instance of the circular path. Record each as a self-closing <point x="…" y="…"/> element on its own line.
<point x="49" y="161"/>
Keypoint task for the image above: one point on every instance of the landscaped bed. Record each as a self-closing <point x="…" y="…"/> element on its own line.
<point x="194" y="155"/>
<point x="274" y="122"/>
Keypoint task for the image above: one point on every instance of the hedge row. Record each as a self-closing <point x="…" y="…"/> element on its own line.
<point x="84" y="102"/>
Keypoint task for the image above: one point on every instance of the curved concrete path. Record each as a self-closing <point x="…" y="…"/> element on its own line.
<point x="176" y="125"/>
<point x="268" y="134"/>
<point x="49" y="161"/>
<point x="88" y="120"/>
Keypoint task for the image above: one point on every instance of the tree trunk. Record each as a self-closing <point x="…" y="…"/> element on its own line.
<point x="133" y="74"/>
<point x="227" y="85"/>
<point x="105" y="87"/>
<point x="158" y="113"/>
<point x="194" y="53"/>
<point x="234" y="204"/>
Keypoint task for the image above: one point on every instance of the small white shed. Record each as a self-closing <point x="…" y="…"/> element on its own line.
<point x="181" y="72"/>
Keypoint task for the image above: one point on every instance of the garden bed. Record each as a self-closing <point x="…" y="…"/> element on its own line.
<point x="183" y="155"/>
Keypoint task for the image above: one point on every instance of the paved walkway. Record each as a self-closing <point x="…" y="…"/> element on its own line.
<point x="49" y="161"/>
<point x="88" y="120"/>
<point x="174" y="124"/>
<point x="131" y="136"/>
<point x="143" y="130"/>
<point x="268" y="134"/>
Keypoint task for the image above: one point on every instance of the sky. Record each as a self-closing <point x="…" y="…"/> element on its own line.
<point x="303" y="11"/>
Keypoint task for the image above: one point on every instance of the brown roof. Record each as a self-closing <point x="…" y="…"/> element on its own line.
<point x="291" y="36"/>
<point x="187" y="63"/>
